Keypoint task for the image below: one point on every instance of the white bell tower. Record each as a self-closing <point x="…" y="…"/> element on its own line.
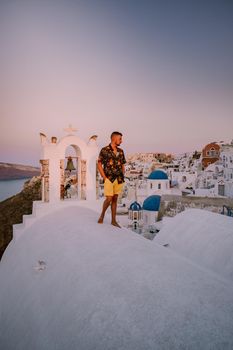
<point x="53" y="165"/>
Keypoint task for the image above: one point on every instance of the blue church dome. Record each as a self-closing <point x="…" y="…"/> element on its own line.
<point x="158" y="175"/>
<point x="152" y="203"/>
<point x="135" y="206"/>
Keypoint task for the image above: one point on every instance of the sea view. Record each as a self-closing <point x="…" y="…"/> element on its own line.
<point x="9" y="188"/>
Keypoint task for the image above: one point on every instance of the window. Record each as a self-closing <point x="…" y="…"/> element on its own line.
<point x="159" y="186"/>
<point x="213" y="152"/>
<point x="151" y="185"/>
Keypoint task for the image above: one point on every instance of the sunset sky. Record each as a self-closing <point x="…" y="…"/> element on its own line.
<point x="160" y="72"/>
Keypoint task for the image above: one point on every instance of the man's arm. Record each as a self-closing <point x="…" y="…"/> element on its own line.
<point x="101" y="170"/>
<point x="123" y="163"/>
<point x="100" y="162"/>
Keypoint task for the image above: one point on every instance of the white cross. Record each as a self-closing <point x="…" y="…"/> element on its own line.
<point x="70" y="130"/>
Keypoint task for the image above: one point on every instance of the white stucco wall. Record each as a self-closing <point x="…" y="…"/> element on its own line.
<point x="153" y="186"/>
<point x="149" y="218"/>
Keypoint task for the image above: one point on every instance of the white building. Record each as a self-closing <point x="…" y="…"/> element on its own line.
<point x="150" y="208"/>
<point x="142" y="218"/>
<point x="217" y="178"/>
<point x="183" y="179"/>
<point x="226" y="157"/>
<point x="210" y="182"/>
<point x="158" y="183"/>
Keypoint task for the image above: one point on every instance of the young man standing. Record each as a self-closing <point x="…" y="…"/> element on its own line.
<point x="111" y="162"/>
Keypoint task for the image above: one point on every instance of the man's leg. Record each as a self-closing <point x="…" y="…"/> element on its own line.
<point x="108" y="192"/>
<point x="114" y="209"/>
<point x="105" y="207"/>
<point x="117" y="188"/>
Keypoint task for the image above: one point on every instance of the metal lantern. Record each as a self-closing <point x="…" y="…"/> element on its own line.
<point x="70" y="165"/>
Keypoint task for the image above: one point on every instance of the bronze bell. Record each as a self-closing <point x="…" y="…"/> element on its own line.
<point x="70" y="165"/>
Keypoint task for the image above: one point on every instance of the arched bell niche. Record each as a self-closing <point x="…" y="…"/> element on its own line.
<point x="57" y="168"/>
<point x="73" y="174"/>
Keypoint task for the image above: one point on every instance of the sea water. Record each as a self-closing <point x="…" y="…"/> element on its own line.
<point x="9" y="188"/>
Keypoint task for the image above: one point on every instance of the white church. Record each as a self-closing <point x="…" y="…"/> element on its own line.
<point x="158" y="182"/>
<point x="143" y="211"/>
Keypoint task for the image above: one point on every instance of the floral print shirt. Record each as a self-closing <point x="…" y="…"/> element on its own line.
<point x="112" y="163"/>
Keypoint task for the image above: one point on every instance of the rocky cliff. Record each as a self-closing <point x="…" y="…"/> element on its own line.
<point x="12" y="209"/>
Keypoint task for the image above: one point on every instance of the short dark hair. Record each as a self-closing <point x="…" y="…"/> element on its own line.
<point x="115" y="133"/>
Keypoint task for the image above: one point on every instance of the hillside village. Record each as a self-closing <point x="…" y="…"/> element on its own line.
<point x="198" y="179"/>
<point x="206" y="173"/>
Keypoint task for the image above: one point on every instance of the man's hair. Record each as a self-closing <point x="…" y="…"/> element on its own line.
<point x="115" y="133"/>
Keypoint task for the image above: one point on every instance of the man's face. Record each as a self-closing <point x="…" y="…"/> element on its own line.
<point x="118" y="139"/>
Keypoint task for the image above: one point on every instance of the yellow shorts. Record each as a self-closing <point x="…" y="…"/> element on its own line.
<point x="111" y="188"/>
